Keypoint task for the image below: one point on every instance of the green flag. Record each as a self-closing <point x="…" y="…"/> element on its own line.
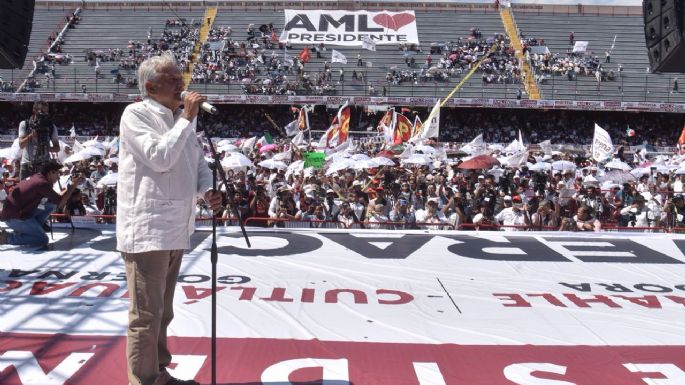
<point x="314" y="159"/>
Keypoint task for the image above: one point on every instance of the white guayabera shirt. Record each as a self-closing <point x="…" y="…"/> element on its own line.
<point x="162" y="171"/>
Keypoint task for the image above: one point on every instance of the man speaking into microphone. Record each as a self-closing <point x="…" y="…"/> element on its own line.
<point x="162" y="172"/>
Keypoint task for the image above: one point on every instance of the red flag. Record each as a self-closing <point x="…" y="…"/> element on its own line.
<point x="305" y="55"/>
<point x="418" y="126"/>
<point x="403" y="128"/>
<point x="681" y="141"/>
<point x="339" y="130"/>
<point x="386" y="121"/>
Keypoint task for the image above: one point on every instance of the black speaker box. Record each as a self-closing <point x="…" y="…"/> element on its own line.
<point x="664" y="34"/>
<point x="16" y="22"/>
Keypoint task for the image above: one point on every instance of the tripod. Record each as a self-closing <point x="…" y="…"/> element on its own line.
<point x="216" y="168"/>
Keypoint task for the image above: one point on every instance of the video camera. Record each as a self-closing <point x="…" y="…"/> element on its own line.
<point x="539" y="182"/>
<point x="41" y="123"/>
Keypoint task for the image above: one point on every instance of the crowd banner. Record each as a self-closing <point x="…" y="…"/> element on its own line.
<point x="580" y="47"/>
<point x="349" y="28"/>
<point x="602" y="147"/>
<point x="365" y="307"/>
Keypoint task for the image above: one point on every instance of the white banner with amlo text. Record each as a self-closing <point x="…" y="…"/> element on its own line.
<point x="349" y="28"/>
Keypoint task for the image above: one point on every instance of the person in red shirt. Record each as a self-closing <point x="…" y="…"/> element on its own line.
<point x="25" y="210"/>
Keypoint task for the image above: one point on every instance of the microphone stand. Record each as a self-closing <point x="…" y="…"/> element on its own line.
<point x="217" y="169"/>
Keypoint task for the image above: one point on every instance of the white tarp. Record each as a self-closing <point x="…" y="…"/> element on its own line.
<point x="349" y="28"/>
<point x="436" y="307"/>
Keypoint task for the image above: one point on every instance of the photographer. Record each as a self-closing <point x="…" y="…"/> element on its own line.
<point x="23" y="211"/>
<point x="402" y="213"/>
<point x="637" y="212"/>
<point x="282" y="206"/>
<point x="37" y="138"/>
<point x="546" y="215"/>
<point x="454" y="210"/>
<point x="259" y="204"/>
<point x="486" y="193"/>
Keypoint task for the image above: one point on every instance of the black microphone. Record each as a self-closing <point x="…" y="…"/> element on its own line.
<point x="206" y="107"/>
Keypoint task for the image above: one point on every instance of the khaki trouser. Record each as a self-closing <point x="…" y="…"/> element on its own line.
<point x="151" y="279"/>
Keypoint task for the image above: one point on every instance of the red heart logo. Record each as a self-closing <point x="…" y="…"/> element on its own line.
<point x="394" y="22"/>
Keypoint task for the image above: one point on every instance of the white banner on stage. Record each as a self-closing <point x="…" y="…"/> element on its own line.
<point x="349" y="28"/>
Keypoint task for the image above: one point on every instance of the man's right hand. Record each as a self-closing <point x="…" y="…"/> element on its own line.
<point x="191" y="105"/>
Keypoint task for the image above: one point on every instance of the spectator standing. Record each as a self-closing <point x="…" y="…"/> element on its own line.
<point x="37" y="139"/>
<point x="571" y="38"/>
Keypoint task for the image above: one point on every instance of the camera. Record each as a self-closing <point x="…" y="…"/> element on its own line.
<point x="41" y="125"/>
<point x="539" y="182"/>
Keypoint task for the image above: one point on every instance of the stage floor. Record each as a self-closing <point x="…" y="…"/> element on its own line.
<point x="362" y="307"/>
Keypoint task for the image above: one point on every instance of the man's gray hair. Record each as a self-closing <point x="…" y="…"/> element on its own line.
<point x="149" y="69"/>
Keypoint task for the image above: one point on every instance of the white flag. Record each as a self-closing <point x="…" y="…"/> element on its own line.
<point x="338" y="57"/>
<point x="368" y="44"/>
<point x="517" y="159"/>
<point x="292" y="128"/>
<point x="299" y="139"/>
<point x="248" y="145"/>
<point x="514" y="146"/>
<point x="77" y="147"/>
<point x="475" y="147"/>
<point x="431" y="127"/>
<point x="602" y="148"/>
<point x="546" y="146"/>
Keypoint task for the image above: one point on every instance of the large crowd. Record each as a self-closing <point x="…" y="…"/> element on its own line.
<point x="551" y="190"/>
<point x="177" y="37"/>
<point x="261" y="64"/>
<point x="457" y="124"/>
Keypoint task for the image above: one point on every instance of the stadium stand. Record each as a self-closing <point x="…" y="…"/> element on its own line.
<point x="377" y="64"/>
<point x="46" y="23"/>
<point x="124" y="29"/>
<point x="436" y="29"/>
<point x="633" y="83"/>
